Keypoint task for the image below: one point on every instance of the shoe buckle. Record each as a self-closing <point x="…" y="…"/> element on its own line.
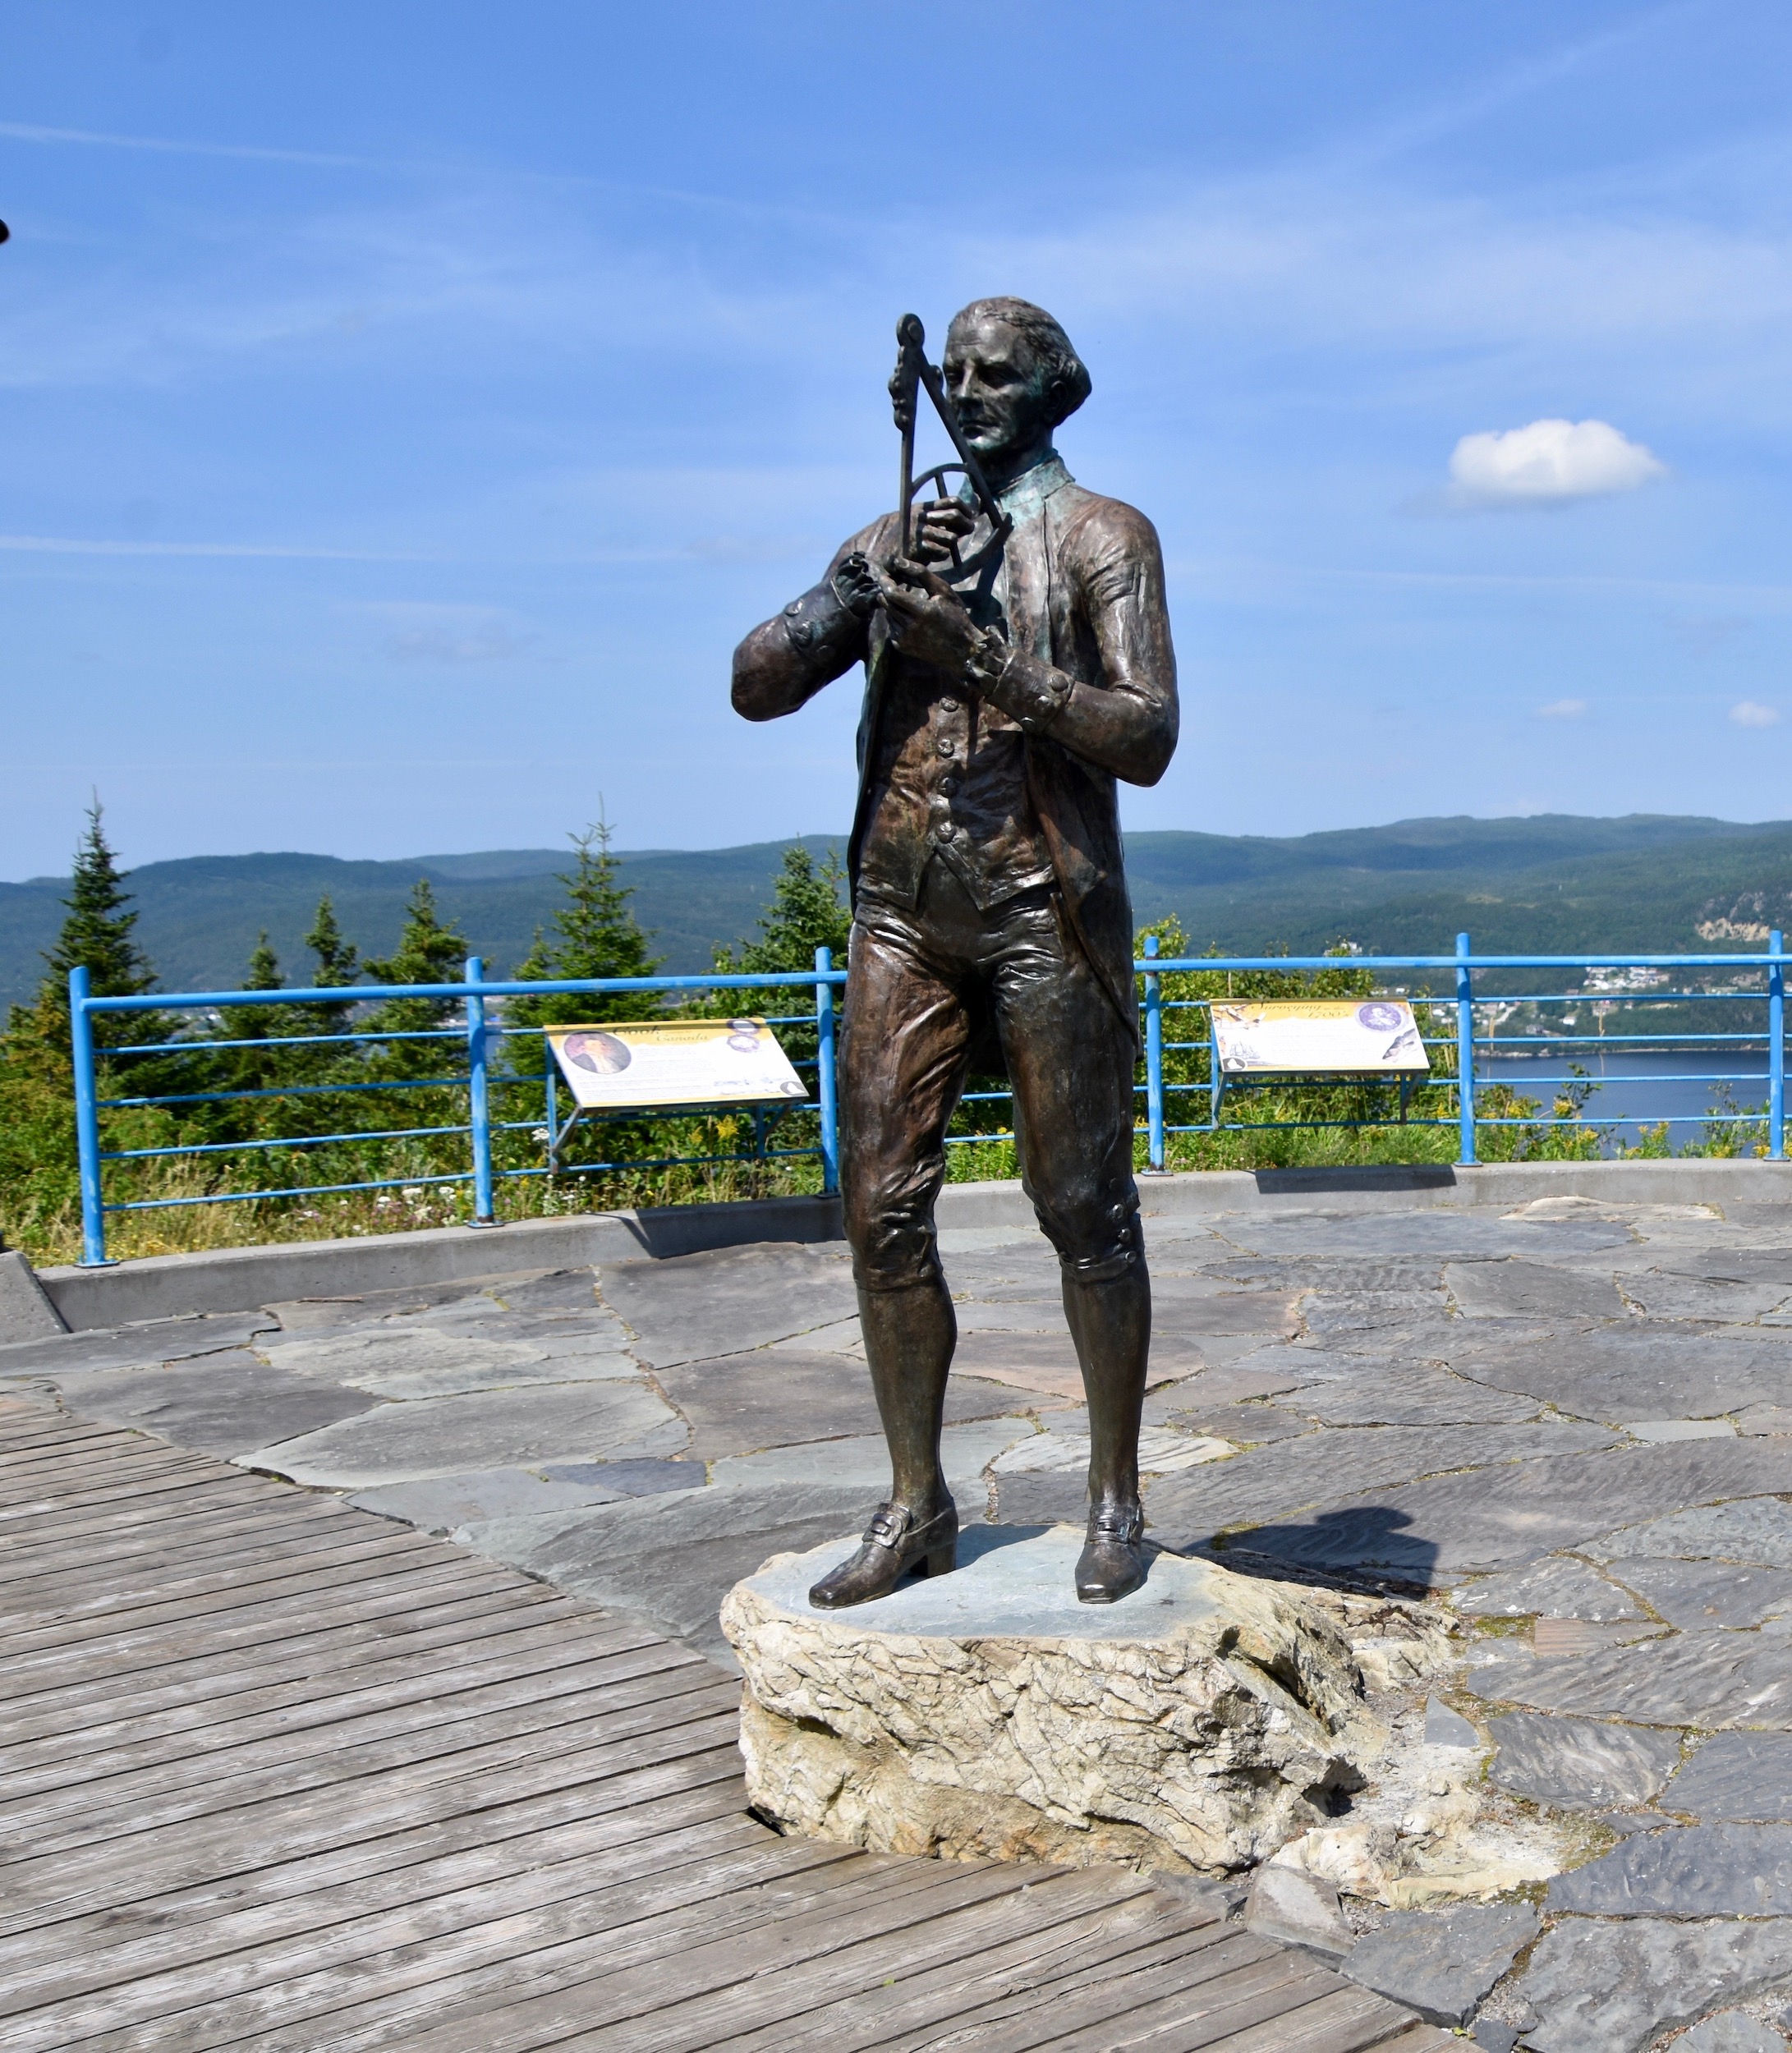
<point x="1114" y="1524"/>
<point x="889" y="1526"/>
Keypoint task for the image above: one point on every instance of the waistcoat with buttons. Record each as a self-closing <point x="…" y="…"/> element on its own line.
<point x="944" y="772"/>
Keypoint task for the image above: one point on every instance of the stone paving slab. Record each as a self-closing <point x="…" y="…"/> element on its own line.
<point x="1598" y="1987"/>
<point x="1488" y="1519"/>
<point x="1559" y="1587"/>
<point x="1389" y="1397"/>
<point x="445" y="1435"/>
<point x="1578" y="1762"/>
<point x="216" y="1403"/>
<point x="1740" y="1775"/>
<point x="696" y="1307"/>
<point x="1442" y="1964"/>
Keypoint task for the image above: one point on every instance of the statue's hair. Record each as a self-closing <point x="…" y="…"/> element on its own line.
<point x="1051" y="347"/>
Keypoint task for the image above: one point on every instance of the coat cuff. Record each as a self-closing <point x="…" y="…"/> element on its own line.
<point x="1031" y="693"/>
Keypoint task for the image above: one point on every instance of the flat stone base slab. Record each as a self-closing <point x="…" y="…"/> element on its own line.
<point x="1198" y="1724"/>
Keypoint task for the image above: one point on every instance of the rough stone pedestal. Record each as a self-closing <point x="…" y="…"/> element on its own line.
<point x="1197" y="1724"/>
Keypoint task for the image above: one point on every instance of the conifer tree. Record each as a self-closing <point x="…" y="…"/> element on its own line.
<point x="337" y="962"/>
<point x="99" y="931"/>
<point x="337" y="957"/>
<point x="431" y="950"/>
<point x="808" y="911"/>
<point x="595" y="934"/>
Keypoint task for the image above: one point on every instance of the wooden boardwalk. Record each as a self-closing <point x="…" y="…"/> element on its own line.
<point x="280" y="1776"/>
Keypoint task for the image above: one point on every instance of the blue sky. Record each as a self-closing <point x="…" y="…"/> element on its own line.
<point x="405" y="407"/>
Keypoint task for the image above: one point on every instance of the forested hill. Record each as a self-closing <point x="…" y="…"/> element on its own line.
<point x="1555" y="884"/>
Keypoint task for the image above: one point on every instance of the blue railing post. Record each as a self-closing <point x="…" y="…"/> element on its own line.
<point x="1154" y="1061"/>
<point x="1465" y="1057"/>
<point x="93" y="1203"/>
<point x="479" y="1095"/>
<point x="827" y="1091"/>
<point x="1776" y="1048"/>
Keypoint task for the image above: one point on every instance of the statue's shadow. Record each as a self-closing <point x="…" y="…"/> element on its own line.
<point x="1368" y="1550"/>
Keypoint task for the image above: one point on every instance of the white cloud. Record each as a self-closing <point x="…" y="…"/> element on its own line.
<point x="1745" y="713"/>
<point x="1562" y="710"/>
<point x="1548" y="461"/>
<point x="452" y="634"/>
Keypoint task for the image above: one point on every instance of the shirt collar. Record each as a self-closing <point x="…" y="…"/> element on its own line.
<point x="1026" y="494"/>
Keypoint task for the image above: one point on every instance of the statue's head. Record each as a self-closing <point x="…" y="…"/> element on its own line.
<point x="1012" y="374"/>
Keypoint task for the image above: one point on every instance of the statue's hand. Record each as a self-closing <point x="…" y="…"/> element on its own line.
<point x="938" y="524"/>
<point x="927" y="619"/>
<point x="856" y="585"/>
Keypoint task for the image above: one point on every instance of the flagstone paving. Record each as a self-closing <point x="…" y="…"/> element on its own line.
<point x="1572" y="1426"/>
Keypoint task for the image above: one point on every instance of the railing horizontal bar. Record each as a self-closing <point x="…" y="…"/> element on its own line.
<point x="282" y="1040"/>
<point x="297" y="1190"/>
<point x="772" y="980"/>
<point x="293" y="1091"/>
<point x="298" y="1141"/>
<point x="657" y="1162"/>
<point x="379" y="994"/>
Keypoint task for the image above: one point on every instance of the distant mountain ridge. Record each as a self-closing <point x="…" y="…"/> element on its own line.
<point x="1554" y="883"/>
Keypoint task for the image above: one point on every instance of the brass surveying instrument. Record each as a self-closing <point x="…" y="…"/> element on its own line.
<point x="913" y="370"/>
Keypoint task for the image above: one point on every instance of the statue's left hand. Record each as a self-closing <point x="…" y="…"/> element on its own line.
<point x="927" y="619"/>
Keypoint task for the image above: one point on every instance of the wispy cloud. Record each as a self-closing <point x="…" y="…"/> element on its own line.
<point x="1562" y="710"/>
<point x="1746" y="713"/>
<point x="77" y="545"/>
<point x="170" y="146"/>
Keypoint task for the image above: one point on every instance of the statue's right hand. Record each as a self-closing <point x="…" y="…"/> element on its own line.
<point x="938" y="525"/>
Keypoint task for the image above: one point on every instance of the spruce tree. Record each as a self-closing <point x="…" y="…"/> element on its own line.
<point x="431" y="950"/>
<point x="808" y="911"/>
<point x="99" y="931"/>
<point x="337" y="957"/>
<point x="595" y="934"/>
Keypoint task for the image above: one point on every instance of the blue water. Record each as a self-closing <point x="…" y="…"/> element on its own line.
<point x="1659" y="1091"/>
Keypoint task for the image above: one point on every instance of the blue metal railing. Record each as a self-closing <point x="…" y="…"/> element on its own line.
<point x="482" y="1038"/>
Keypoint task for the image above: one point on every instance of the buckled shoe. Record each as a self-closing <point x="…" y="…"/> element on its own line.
<point x="895" y="1541"/>
<point x="1112" y="1563"/>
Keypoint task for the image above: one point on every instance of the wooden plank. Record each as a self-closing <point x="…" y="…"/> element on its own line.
<point x="484" y="1718"/>
<point x="206" y="1624"/>
<point x="288" y="1893"/>
<point x="181" y="1710"/>
<point x="716" y="1992"/>
<point x="311" y="2009"/>
<point x="104" y="1542"/>
<point x="55" y="1476"/>
<point x="171" y="1482"/>
<point x="22" y="1453"/>
<point x="44" y="1622"/>
<point x="244" y="1850"/>
<point x="76" y="1462"/>
<point x="113" y="1590"/>
<point x="604" y="1656"/>
<point x="419" y="1758"/>
<point x="63" y="1695"/>
<point x="1345" y="2019"/>
<point x="138" y="1517"/>
<point x="694" y="1957"/>
<point x="138" y="1977"/>
<point x="1050" y="1977"/>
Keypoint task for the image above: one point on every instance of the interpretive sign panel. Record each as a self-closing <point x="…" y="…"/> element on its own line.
<point x="675" y="1061"/>
<point x="1375" y="1037"/>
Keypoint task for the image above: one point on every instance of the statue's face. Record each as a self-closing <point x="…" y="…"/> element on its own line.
<point x="996" y="384"/>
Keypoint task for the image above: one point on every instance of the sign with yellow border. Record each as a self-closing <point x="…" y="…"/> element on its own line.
<point x="675" y="1061"/>
<point x="1365" y="1037"/>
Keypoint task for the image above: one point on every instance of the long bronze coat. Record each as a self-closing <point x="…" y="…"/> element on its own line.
<point x="1082" y="594"/>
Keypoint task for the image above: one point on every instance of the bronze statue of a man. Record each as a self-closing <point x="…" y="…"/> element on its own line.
<point x="1002" y="700"/>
